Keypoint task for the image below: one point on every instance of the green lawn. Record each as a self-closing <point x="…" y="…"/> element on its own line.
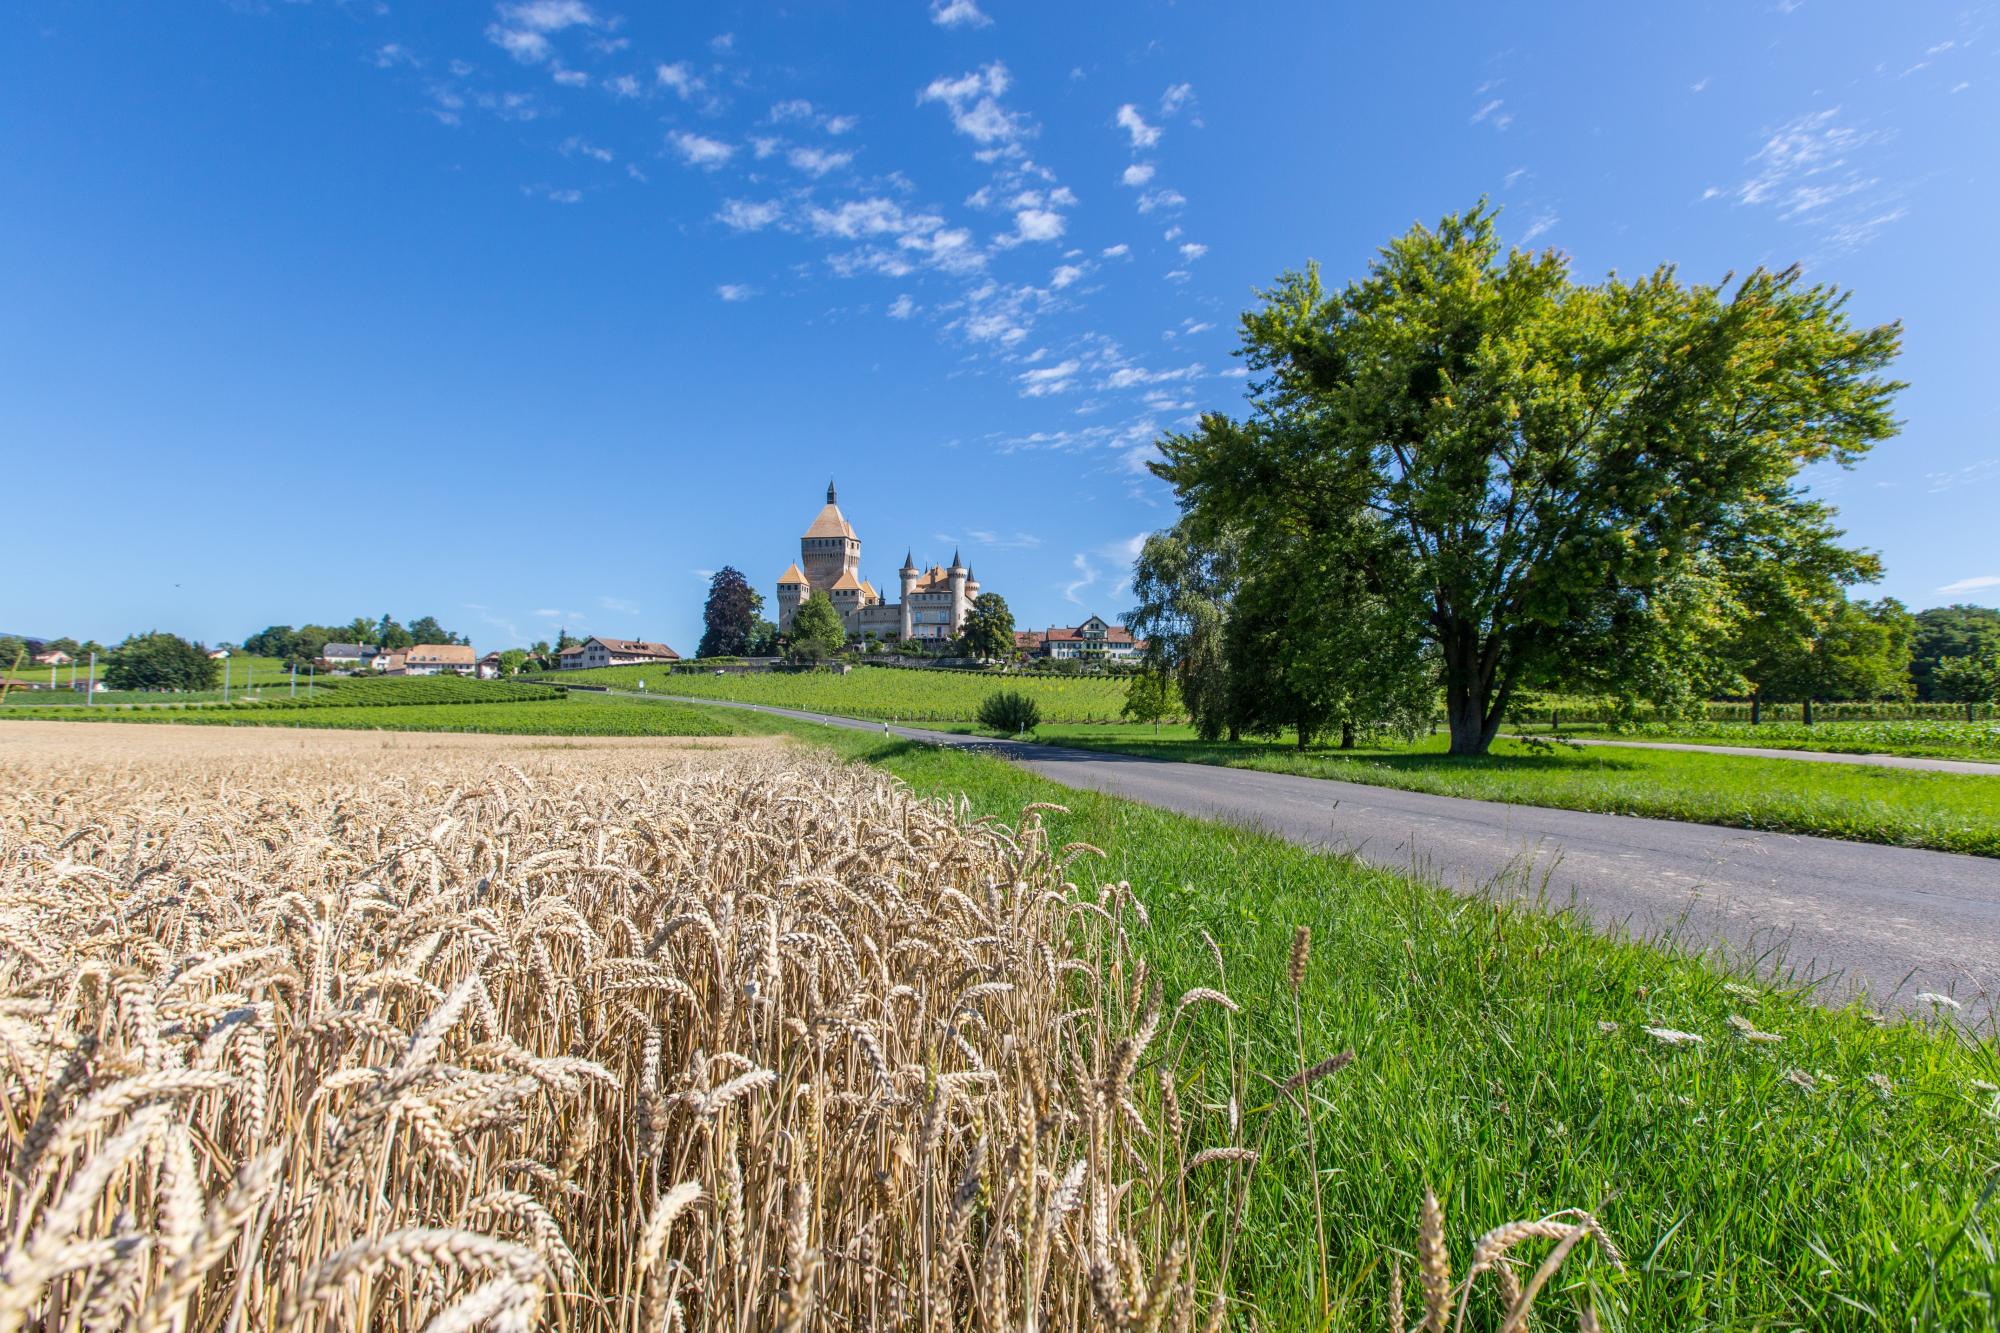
<point x="1936" y="739"/>
<point x="1820" y="1181"/>
<point x="904" y="694"/>
<point x="1947" y="811"/>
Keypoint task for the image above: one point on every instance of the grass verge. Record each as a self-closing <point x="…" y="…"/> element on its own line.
<point x="1944" y="811"/>
<point x="1827" y="1179"/>
<point x="577" y="715"/>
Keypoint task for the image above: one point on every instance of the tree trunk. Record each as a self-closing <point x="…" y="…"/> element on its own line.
<point x="1235" y="734"/>
<point x="1303" y="731"/>
<point x="1756" y="709"/>
<point x="1806" y="712"/>
<point x="1468" y="697"/>
<point x="1347" y="735"/>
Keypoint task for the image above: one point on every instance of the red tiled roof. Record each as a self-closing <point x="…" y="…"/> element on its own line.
<point x="639" y="648"/>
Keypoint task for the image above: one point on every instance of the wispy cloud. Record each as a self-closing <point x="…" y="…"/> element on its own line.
<point x="1493" y="112"/>
<point x="958" y="14"/>
<point x="1134" y="124"/>
<point x="624" y="606"/>
<point x="735" y="291"/>
<point x="1086" y="578"/>
<point x="818" y="161"/>
<point x="1541" y="225"/>
<point x="1973" y="584"/>
<point x="1046" y="380"/>
<point x="902" y="307"/>
<point x="523" y="30"/>
<point x="974" y="103"/>
<point x="698" y="150"/>
<point x="749" y="215"/>
<point x="1975" y="473"/>
<point x="1137" y="174"/>
<point x="680" y="79"/>
<point x="1816" y="171"/>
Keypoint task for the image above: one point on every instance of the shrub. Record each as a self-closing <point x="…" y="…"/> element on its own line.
<point x="1010" y="712"/>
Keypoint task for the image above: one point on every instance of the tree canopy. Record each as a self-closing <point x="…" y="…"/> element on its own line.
<point x="817" y="632"/>
<point x="160" y="661"/>
<point x="1946" y="632"/>
<point x="730" y="616"/>
<point x="989" y="628"/>
<point x="1553" y="473"/>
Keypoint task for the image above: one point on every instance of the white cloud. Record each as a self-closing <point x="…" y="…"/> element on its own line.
<point x="1699" y="85"/>
<point x="1137" y="174"/>
<point x="735" y="291"/>
<point x="1193" y="250"/>
<point x="958" y="14"/>
<point x="722" y="43"/>
<point x="840" y="124"/>
<point x="817" y="160"/>
<point x="1539" y="227"/>
<point x="622" y="605"/>
<point x="1176" y="97"/>
<point x="1065" y="275"/>
<point x="1161" y="199"/>
<point x="796" y="109"/>
<point x="973" y="100"/>
<point x="569" y="78"/>
<point x="1118" y="251"/>
<point x="575" y="145"/>
<point x="1493" y="113"/>
<point x="871" y="217"/>
<point x="1143" y="135"/>
<point x="902" y="308"/>
<point x="1974" y="584"/>
<point x="1059" y="378"/>
<point x="1132" y="377"/>
<point x="698" y="150"/>
<point x="392" y="54"/>
<point x="523" y="29"/>
<point x="1086" y="576"/>
<point x="749" y="215"/>
<point x="1811" y="170"/>
<point x="680" y="77"/>
<point x="1033" y="225"/>
<point x="624" y="87"/>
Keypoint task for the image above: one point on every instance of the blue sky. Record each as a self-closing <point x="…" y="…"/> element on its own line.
<point x="529" y="314"/>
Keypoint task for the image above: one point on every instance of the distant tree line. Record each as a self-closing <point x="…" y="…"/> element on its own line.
<point x="1466" y="475"/>
<point x="306" y="643"/>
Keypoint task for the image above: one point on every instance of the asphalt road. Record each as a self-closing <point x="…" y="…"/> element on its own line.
<point x="1898" y="921"/>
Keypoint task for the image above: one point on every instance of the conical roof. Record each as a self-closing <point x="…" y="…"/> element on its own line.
<point x="791" y="575"/>
<point x="830" y="523"/>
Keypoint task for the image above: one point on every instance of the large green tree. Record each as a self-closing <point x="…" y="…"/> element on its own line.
<point x="1841" y="650"/>
<point x="730" y="615"/>
<point x="1946" y="632"/>
<point x="160" y="661"/>
<point x="817" y="631"/>
<point x="1550" y="457"/>
<point x="1184" y="580"/>
<point x="989" y="628"/>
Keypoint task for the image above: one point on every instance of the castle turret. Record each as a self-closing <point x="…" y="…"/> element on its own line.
<point x="791" y="591"/>
<point x="908" y="575"/>
<point x="958" y="574"/>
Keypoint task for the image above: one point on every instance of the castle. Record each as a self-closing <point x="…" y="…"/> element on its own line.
<point x="934" y="601"/>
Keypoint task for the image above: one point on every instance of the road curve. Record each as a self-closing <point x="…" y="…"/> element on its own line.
<point x="1897" y="921"/>
<point x="1918" y="763"/>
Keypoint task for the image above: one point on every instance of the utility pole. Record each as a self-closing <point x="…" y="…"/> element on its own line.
<point x="295" y="678"/>
<point x="225" y="678"/>
<point x="90" y="683"/>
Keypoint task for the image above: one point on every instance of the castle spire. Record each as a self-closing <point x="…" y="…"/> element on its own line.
<point x="955" y="562"/>
<point x="909" y="561"/>
<point x="829" y="491"/>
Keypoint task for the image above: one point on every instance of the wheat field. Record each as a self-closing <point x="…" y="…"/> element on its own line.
<point x="318" y="1032"/>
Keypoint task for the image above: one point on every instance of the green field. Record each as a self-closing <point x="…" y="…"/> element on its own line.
<point x="576" y="715"/>
<point x="889" y="693"/>
<point x="1935" y="738"/>
<point x="1820" y="1181"/>
<point x="266" y="673"/>
<point x="1946" y="811"/>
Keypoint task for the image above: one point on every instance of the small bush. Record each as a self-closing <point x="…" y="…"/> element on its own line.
<point x="1010" y="712"/>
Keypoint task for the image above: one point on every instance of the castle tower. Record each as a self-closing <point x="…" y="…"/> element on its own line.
<point x="958" y="574"/>
<point x="908" y="574"/>
<point x="829" y="549"/>
<point x="791" y="591"/>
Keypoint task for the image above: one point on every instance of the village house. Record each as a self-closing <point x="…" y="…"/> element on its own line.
<point x="437" y="659"/>
<point x="57" y="657"/>
<point x="1095" y="640"/>
<point x="489" y="666"/>
<point x="345" y="656"/>
<point x="596" y="652"/>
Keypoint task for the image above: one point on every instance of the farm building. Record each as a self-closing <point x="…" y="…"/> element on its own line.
<point x="437" y="659"/>
<point x="1096" y="639"/>
<point x="596" y="652"/>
